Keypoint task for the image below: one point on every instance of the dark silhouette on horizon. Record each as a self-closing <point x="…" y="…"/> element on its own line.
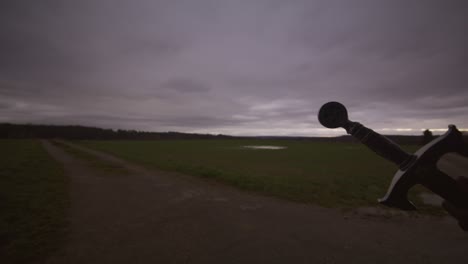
<point x="427" y="136"/>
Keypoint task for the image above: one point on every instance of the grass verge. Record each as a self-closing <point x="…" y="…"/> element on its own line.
<point x="108" y="168"/>
<point x="33" y="202"/>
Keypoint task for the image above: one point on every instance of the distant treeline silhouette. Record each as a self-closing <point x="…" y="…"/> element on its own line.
<point x="93" y="133"/>
<point x="82" y="132"/>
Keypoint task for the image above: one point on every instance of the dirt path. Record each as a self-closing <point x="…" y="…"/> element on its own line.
<point x="160" y="217"/>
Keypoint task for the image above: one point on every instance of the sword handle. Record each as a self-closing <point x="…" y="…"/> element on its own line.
<point x="381" y="145"/>
<point x="446" y="187"/>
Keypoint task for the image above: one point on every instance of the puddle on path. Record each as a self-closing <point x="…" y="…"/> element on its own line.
<point x="264" y="147"/>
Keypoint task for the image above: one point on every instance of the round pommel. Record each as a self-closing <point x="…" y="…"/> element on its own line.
<point x="333" y="115"/>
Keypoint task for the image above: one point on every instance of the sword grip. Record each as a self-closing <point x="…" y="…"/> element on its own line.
<point x="446" y="187"/>
<point x="381" y="145"/>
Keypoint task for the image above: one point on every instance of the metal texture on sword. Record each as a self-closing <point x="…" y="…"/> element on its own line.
<point x="418" y="168"/>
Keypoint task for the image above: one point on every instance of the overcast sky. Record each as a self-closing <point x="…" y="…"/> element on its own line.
<point x="242" y="67"/>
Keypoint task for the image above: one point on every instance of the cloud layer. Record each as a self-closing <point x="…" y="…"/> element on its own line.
<point x="246" y="67"/>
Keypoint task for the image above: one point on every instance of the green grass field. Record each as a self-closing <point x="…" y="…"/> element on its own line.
<point x="33" y="202"/>
<point x="328" y="174"/>
<point x="108" y="168"/>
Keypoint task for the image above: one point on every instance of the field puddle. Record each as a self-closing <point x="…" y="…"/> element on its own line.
<point x="264" y="147"/>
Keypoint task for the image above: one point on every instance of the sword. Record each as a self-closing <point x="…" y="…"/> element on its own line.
<point x="418" y="168"/>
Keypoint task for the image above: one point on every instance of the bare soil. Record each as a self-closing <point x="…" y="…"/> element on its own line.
<point x="149" y="216"/>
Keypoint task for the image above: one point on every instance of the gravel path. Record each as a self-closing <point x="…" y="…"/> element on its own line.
<point x="149" y="216"/>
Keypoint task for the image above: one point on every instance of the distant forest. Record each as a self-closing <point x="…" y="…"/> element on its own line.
<point x="21" y="131"/>
<point x="83" y="132"/>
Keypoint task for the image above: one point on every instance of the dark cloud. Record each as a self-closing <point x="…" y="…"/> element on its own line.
<point x="237" y="67"/>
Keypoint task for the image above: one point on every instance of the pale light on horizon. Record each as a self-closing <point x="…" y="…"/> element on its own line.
<point x="320" y="132"/>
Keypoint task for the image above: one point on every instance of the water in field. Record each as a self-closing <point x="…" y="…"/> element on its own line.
<point x="264" y="147"/>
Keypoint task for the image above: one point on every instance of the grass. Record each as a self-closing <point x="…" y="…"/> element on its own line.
<point x="33" y="202"/>
<point x="108" y="168"/>
<point x="329" y="174"/>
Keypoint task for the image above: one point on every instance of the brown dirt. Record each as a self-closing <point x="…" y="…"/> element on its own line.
<point x="149" y="216"/>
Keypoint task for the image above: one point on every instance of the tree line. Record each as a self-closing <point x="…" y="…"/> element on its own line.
<point x="73" y="132"/>
<point x="76" y="132"/>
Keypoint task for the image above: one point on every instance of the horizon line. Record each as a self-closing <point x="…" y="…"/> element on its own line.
<point x="331" y="132"/>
